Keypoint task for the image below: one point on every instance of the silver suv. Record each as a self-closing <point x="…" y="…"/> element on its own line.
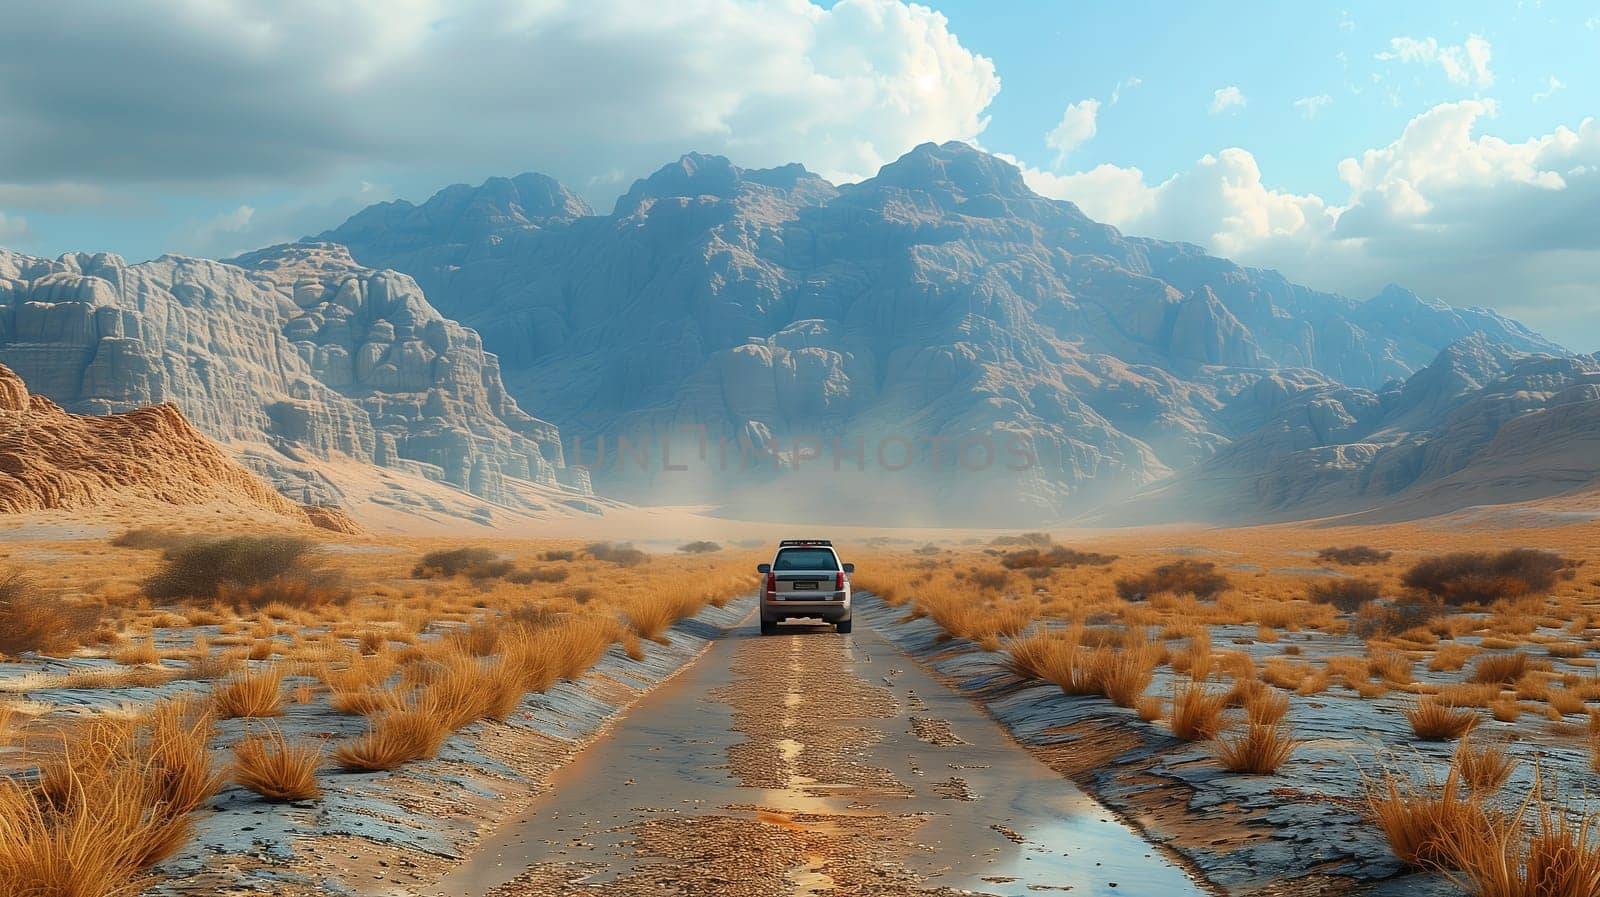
<point x="805" y="579"/>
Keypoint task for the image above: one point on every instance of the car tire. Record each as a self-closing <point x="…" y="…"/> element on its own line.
<point x="768" y="627"/>
<point x="843" y="626"/>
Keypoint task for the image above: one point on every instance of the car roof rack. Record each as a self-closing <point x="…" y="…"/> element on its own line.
<point x="785" y="542"/>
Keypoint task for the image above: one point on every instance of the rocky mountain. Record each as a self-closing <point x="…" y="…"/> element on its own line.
<point x="1482" y="424"/>
<point x="889" y="344"/>
<point x="298" y="359"/>
<point x="52" y="460"/>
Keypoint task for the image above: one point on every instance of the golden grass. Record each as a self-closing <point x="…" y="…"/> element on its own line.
<point x="1433" y="720"/>
<point x="277" y="770"/>
<point x="395" y="738"/>
<point x="116" y="800"/>
<point x="1421" y="822"/>
<point x="1506" y="856"/>
<point x="1197" y="712"/>
<point x="1266" y="706"/>
<point x="1260" y="750"/>
<point x="253" y="694"/>
<point x="1484" y="770"/>
<point x="142" y="651"/>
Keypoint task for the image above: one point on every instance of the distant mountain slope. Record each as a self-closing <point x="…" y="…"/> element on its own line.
<point x="1482" y="424"/>
<point x="940" y="301"/>
<point x="294" y="357"/>
<point x="52" y="460"/>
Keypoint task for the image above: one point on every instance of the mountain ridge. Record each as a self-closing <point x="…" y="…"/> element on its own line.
<point x="942" y="296"/>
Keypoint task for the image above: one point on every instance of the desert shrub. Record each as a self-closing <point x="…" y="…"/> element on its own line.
<point x="1480" y="577"/>
<point x="1354" y="556"/>
<point x="620" y="553"/>
<point x="992" y="579"/>
<point x="559" y="555"/>
<point x="1376" y="618"/>
<point x="472" y="562"/>
<point x="1345" y="594"/>
<point x="34" y="619"/>
<point x="149" y="538"/>
<point x="539" y="574"/>
<point x="928" y="549"/>
<point x="699" y="547"/>
<point x="1055" y="556"/>
<point x="1037" y="540"/>
<point x="203" y="568"/>
<point x="1201" y="579"/>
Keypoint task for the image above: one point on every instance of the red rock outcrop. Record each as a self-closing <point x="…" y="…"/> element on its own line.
<point x="52" y="460"/>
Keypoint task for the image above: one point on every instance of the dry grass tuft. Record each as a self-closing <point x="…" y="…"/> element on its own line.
<point x="1505" y="856"/>
<point x="257" y="694"/>
<point x="1197" y="712"/>
<point x="33" y="619"/>
<point x="1266" y="706"/>
<point x="275" y="769"/>
<point x="1433" y="720"/>
<point x="1259" y="751"/>
<point x="1502" y="668"/>
<point x="396" y="738"/>
<point x="1485" y="769"/>
<point x="1355" y="555"/>
<point x="1421" y="823"/>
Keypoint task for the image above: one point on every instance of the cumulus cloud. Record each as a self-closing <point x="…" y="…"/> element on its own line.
<point x="1076" y="127"/>
<point x="1444" y="209"/>
<point x="1227" y="98"/>
<point x="1310" y="106"/>
<point x="235" y="91"/>
<point x="1466" y="63"/>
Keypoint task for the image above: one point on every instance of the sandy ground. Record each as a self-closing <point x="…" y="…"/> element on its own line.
<point x="811" y="763"/>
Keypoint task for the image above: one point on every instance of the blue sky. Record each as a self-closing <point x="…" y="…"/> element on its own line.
<point x="1052" y="54"/>
<point x="214" y="128"/>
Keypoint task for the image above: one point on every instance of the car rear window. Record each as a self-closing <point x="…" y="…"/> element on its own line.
<point x="805" y="559"/>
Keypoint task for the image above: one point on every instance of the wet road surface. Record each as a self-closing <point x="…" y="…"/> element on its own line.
<point x="811" y="763"/>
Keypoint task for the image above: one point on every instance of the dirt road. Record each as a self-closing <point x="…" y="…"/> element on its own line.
<point x="811" y="763"/>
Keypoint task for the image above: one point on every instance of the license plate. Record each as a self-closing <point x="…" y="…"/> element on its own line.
<point x="804" y="586"/>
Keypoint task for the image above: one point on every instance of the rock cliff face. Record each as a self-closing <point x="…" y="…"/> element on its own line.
<point x="291" y="356"/>
<point x="1482" y="424"/>
<point x="936" y="308"/>
<point x="52" y="460"/>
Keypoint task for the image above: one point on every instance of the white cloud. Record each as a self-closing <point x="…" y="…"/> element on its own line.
<point x="569" y="87"/>
<point x="1310" y="106"/>
<point x="1552" y="84"/>
<point x="1448" y="211"/>
<point x="1466" y="63"/>
<point x="1124" y="84"/>
<point x="1076" y="127"/>
<point x="14" y="230"/>
<point x="1225" y="98"/>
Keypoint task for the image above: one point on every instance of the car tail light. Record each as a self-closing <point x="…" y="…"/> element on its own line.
<point x="838" y="581"/>
<point x="772" y="582"/>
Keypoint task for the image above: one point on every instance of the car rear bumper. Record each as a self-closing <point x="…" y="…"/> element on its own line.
<point x="832" y="610"/>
